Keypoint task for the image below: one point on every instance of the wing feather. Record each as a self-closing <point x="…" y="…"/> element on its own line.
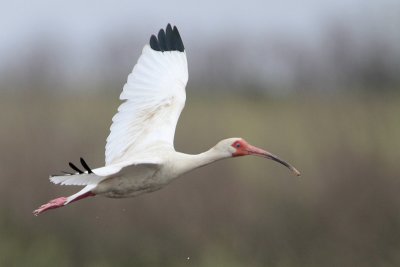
<point x="154" y="96"/>
<point x="102" y="173"/>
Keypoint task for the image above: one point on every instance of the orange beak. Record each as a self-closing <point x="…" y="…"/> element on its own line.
<point x="252" y="150"/>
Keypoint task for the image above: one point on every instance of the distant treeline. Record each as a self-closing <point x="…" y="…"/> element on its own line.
<point x="342" y="58"/>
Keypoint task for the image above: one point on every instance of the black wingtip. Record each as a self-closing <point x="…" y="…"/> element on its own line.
<point x="75" y="168"/>
<point x="162" y="40"/>
<point x="154" y="43"/>
<point x="168" y="40"/>
<point x="178" y="40"/>
<point x="84" y="164"/>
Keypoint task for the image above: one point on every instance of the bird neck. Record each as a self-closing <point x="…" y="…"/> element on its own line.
<point x="191" y="162"/>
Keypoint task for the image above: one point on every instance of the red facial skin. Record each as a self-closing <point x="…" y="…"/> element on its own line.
<point x="243" y="149"/>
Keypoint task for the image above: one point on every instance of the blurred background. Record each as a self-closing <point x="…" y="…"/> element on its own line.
<point x="315" y="82"/>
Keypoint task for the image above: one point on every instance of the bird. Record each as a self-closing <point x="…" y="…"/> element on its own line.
<point x="139" y="155"/>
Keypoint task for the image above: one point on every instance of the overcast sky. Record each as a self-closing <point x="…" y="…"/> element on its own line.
<point x="82" y="26"/>
<point x="80" y="21"/>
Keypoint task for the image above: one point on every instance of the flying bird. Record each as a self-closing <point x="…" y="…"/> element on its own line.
<point x="140" y="155"/>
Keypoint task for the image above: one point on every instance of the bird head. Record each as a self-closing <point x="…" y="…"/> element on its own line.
<point x="238" y="147"/>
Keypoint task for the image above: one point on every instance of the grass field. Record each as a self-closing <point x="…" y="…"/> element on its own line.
<point x="342" y="211"/>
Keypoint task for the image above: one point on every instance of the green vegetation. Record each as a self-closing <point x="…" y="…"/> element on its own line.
<point x="342" y="211"/>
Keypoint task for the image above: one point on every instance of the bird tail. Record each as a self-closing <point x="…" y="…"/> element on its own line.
<point x="79" y="177"/>
<point x="63" y="201"/>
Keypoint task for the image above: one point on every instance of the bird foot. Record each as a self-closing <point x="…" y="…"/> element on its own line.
<point x="53" y="204"/>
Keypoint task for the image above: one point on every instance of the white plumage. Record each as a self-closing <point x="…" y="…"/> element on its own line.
<point x="154" y="98"/>
<point x="140" y="155"/>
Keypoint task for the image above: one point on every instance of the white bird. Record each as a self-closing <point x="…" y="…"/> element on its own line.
<point x="140" y="155"/>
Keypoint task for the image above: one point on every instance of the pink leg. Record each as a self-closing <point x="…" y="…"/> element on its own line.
<point x="59" y="202"/>
<point x="53" y="204"/>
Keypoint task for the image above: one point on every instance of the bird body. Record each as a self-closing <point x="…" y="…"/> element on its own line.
<point x="140" y="155"/>
<point x="144" y="178"/>
<point x="129" y="179"/>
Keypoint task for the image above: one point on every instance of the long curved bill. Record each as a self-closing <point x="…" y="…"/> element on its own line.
<point x="252" y="150"/>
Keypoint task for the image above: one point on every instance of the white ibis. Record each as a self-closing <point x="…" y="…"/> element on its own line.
<point x="140" y="155"/>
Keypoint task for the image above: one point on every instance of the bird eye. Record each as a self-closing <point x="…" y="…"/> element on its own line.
<point x="237" y="145"/>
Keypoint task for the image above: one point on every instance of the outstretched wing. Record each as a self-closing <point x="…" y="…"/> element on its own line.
<point x="154" y="98"/>
<point x="95" y="176"/>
